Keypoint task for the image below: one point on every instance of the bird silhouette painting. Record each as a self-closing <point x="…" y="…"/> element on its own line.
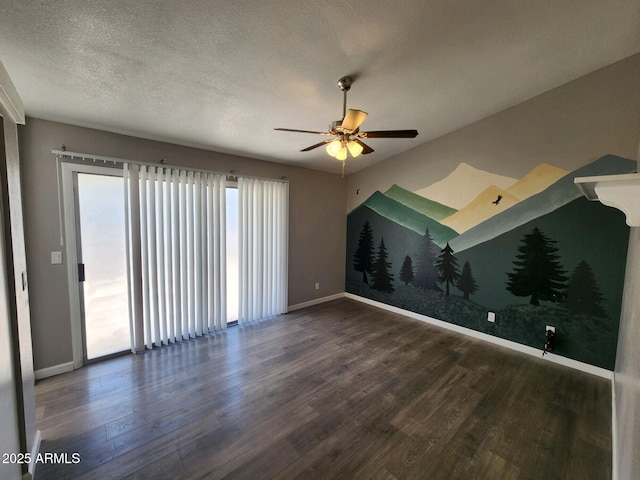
<point x="497" y="200"/>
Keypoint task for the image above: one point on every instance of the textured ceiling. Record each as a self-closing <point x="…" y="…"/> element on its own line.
<point x="221" y="75"/>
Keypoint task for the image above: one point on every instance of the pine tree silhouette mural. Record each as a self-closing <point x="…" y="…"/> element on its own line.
<point x="382" y="278"/>
<point x="466" y="282"/>
<point x="363" y="256"/>
<point x="447" y="265"/>
<point x="406" y="271"/>
<point x="426" y="274"/>
<point x="583" y="293"/>
<point x="537" y="271"/>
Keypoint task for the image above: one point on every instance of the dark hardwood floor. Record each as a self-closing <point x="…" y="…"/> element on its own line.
<point x="338" y="390"/>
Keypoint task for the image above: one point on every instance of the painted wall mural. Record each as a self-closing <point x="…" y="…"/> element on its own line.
<point x="532" y="250"/>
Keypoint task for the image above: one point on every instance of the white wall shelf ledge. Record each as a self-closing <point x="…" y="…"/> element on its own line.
<point x="618" y="191"/>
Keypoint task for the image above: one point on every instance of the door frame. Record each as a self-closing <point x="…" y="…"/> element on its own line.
<point x="68" y="172"/>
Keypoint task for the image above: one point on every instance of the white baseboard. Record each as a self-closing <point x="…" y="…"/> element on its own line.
<point x="315" y="301"/>
<point x="55" y="370"/>
<point x="35" y="449"/>
<point x="568" y="362"/>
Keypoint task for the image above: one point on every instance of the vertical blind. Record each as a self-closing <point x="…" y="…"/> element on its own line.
<point x="263" y="233"/>
<point x="176" y="252"/>
<point x="177" y="218"/>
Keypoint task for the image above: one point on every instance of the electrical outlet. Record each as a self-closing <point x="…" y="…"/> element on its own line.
<point x="491" y="317"/>
<point x="317" y="285"/>
<point x="550" y="327"/>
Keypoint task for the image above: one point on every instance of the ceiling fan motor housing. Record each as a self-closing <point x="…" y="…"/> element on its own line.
<point x="345" y="83"/>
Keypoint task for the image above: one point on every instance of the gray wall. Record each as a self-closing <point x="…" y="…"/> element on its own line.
<point x="316" y="229"/>
<point x="568" y="126"/>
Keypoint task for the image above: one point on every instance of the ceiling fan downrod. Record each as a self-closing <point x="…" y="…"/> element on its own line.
<point x="345" y="85"/>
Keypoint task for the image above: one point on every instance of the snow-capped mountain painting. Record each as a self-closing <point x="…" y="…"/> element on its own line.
<point x="532" y="250"/>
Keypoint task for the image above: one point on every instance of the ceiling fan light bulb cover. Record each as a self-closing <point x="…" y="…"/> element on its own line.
<point x="334" y="147"/>
<point x="342" y="154"/>
<point x="355" y="149"/>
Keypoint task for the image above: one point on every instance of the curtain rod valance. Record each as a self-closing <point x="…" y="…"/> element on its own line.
<point x="115" y="161"/>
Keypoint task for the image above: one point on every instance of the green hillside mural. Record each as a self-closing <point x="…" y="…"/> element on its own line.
<point x="547" y="256"/>
<point x="409" y="218"/>
<point x="427" y="207"/>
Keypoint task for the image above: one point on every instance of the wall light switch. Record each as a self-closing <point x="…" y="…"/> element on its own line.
<point x="317" y="285"/>
<point x="491" y="317"/>
<point x="56" y="258"/>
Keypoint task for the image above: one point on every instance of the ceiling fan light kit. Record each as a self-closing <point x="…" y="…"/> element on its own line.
<point x="334" y="147"/>
<point x="339" y="148"/>
<point x="355" y="149"/>
<point x="346" y="132"/>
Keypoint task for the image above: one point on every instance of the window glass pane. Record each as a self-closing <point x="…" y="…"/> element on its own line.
<point x="106" y="314"/>
<point x="232" y="254"/>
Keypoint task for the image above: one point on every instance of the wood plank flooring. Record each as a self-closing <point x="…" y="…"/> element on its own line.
<point x="340" y="390"/>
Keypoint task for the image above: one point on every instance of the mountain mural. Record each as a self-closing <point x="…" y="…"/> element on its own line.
<point x="560" y="193"/>
<point x="534" y="251"/>
<point x="494" y="194"/>
<point x="461" y="186"/>
<point x="569" y="226"/>
<point x="490" y="202"/>
<point x="536" y="181"/>
<point x="408" y="217"/>
<point x="427" y="207"/>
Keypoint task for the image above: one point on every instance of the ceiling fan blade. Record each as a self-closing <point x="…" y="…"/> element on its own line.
<point x="316" y="145"/>
<point x="365" y="148"/>
<point x="302" y="131"/>
<point x="352" y="120"/>
<point x="389" y="134"/>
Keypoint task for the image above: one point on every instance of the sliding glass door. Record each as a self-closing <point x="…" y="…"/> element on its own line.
<point x="102" y="265"/>
<point x="189" y="277"/>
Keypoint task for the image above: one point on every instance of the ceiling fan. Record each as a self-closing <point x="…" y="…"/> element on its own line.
<point x="346" y="132"/>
